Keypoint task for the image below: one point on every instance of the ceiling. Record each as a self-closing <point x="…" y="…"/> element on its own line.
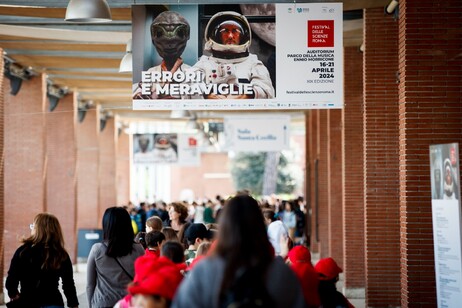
<point x="85" y="57"/>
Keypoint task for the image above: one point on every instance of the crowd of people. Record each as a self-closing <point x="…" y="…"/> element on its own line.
<point x="243" y="256"/>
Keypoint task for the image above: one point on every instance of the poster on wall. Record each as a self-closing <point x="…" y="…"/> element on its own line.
<point x="257" y="133"/>
<point x="162" y="148"/>
<point x="446" y="216"/>
<point x="188" y="150"/>
<point x="237" y="57"/>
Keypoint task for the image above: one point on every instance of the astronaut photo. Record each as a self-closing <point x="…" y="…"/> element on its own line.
<point x="165" y="148"/>
<point x="229" y="64"/>
<point x="450" y="187"/>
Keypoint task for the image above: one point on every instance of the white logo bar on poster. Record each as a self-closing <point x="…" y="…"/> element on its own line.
<point x="257" y="133"/>
<point x="293" y="59"/>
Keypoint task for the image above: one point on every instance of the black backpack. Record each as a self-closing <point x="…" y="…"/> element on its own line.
<point x="247" y="291"/>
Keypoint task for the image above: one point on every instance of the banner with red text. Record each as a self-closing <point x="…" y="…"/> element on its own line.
<point x="237" y="57"/>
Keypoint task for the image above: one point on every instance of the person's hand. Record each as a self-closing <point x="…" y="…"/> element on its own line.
<point x="284" y="244"/>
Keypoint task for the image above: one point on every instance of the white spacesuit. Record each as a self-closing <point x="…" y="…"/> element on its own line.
<point x="449" y="183"/>
<point x="163" y="150"/>
<point x="230" y="62"/>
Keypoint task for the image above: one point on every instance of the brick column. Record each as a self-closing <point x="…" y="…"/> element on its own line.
<point x="2" y="173"/>
<point x="307" y="177"/>
<point x="381" y="156"/>
<point x="311" y="152"/>
<point x="430" y="110"/>
<point x="87" y="172"/>
<point x="61" y="157"/>
<point x="323" y="206"/>
<point x="24" y="160"/>
<point x="107" y="166"/>
<point x="353" y="175"/>
<point x="335" y="171"/>
<point x="123" y="168"/>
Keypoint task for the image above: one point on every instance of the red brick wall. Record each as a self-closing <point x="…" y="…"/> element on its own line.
<point x="308" y="178"/>
<point x="107" y="167"/>
<point x="312" y="142"/>
<point x="61" y="158"/>
<point x="24" y="160"/>
<point x="353" y="175"/>
<point x="123" y="168"/>
<point x="322" y="155"/>
<point x="335" y="170"/>
<point x="87" y="172"/>
<point x="2" y="170"/>
<point x="212" y="177"/>
<point x="430" y="110"/>
<point x="381" y="157"/>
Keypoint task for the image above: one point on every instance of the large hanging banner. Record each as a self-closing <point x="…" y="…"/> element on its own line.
<point x="238" y="57"/>
<point x="163" y="148"/>
<point x="264" y="133"/>
<point x="446" y="214"/>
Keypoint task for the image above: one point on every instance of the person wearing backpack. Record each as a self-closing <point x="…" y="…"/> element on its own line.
<point x="242" y="270"/>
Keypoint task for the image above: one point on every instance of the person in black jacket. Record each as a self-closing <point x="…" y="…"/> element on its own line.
<point x="38" y="265"/>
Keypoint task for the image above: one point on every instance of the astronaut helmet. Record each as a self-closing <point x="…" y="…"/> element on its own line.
<point x="219" y="23"/>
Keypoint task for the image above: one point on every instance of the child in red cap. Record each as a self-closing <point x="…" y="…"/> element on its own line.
<point x="154" y="285"/>
<point x="328" y="273"/>
<point x="299" y="259"/>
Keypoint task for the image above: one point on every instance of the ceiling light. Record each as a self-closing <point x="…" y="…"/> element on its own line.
<point x="126" y="63"/>
<point x="390" y="8"/>
<point x="88" y="11"/>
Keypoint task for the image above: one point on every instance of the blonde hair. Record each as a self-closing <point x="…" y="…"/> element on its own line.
<point x="203" y="248"/>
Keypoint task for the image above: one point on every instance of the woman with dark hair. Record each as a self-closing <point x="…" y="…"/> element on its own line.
<point x="242" y="269"/>
<point x="38" y="265"/>
<point x="110" y="264"/>
<point x="178" y="212"/>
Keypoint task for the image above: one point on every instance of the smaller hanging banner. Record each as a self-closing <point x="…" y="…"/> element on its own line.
<point x="161" y="148"/>
<point x="264" y="133"/>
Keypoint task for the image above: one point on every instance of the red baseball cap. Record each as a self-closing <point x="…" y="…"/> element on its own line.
<point x="299" y="254"/>
<point x="156" y="276"/>
<point x="327" y="269"/>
